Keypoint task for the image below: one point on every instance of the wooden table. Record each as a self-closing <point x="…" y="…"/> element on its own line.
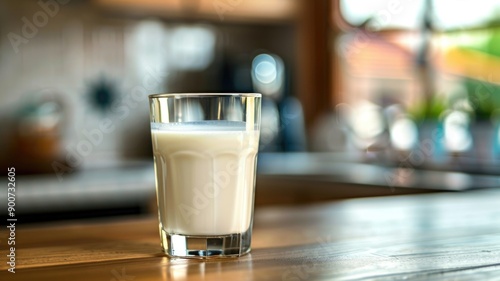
<point x="451" y="236"/>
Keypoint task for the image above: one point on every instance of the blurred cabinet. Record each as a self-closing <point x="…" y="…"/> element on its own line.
<point x="222" y="10"/>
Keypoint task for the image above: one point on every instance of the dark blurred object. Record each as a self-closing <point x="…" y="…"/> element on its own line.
<point x="102" y="94"/>
<point x="37" y="135"/>
<point x="268" y="79"/>
<point x="423" y="65"/>
<point x="270" y="127"/>
<point x="293" y="126"/>
<point x="283" y="127"/>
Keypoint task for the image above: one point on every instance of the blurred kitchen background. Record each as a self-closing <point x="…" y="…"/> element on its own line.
<point x="361" y="97"/>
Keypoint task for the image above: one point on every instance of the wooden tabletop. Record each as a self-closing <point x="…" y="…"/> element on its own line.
<point x="450" y="236"/>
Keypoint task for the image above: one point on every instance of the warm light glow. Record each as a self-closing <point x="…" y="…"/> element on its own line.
<point x="404" y="134"/>
<point x="145" y="46"/>
<point x="456" y="132"/>
<point x="192" y="47"/>
<point x="367" y="123"/>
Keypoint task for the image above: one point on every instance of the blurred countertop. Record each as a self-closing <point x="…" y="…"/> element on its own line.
<point x="280" y="179"/>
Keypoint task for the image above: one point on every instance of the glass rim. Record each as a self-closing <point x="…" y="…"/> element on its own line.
<point x="194" y="95"/>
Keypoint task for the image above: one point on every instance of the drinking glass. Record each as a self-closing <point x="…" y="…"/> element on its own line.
<point x="205" y="153"/>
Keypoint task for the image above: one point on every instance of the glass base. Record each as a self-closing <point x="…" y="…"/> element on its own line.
<point x="206" y="246"/>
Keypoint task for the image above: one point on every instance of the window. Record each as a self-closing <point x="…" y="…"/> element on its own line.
<point x="434" y="58"/>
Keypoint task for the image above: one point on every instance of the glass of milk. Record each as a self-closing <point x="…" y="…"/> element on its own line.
<point x="205" y="153"/>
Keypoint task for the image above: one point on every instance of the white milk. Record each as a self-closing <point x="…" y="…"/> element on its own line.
<point x="205" y="176"/>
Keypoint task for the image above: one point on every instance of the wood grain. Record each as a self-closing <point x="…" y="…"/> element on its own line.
<point x="452" y="236"/>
